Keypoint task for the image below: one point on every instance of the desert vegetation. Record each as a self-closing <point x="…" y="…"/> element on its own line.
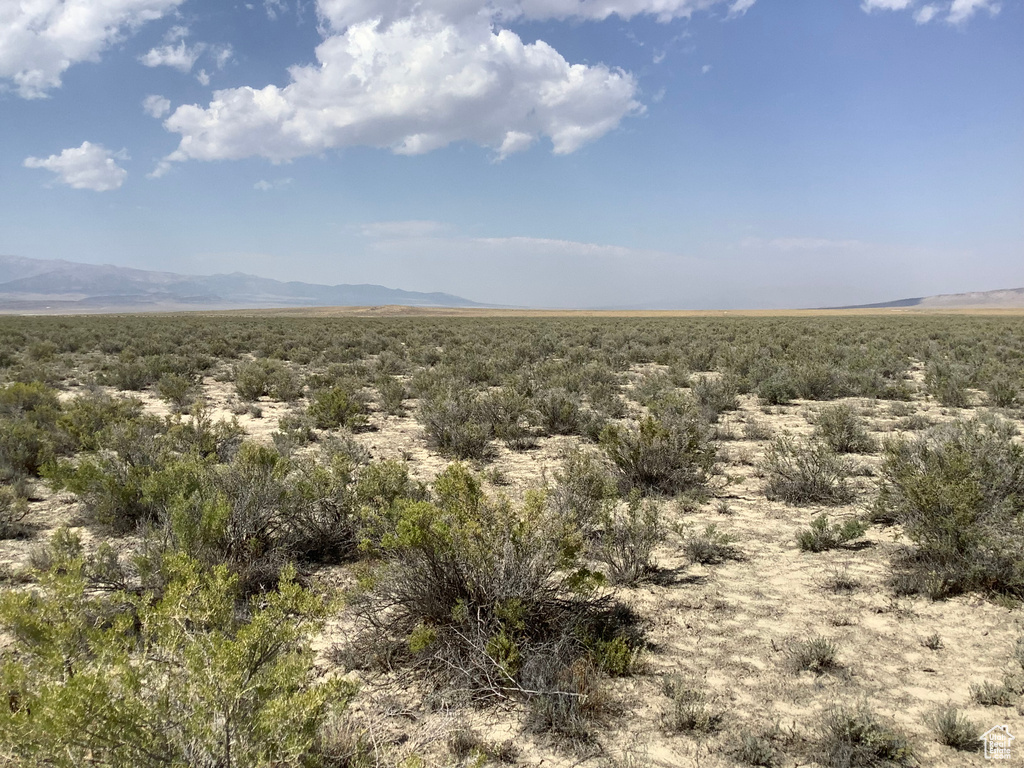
<point x="426" y="541"/>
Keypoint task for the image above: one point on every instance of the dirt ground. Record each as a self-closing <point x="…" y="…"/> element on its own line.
<point x="725" y="627"/>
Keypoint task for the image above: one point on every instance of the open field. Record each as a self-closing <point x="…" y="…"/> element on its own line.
<point x="559" y="539"/>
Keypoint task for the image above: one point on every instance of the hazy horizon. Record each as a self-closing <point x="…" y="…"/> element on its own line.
<point x="678" y="154"/>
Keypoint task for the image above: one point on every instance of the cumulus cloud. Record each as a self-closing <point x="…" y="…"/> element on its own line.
<point x="926" y="13"/>
<point x="40" y="39"/>
<point x="181" y="57"/>
<point x="156" y="106"/>
<point x="89" y="166"/>
<point x="414" y="86"/>
<point x="961" y="10"/>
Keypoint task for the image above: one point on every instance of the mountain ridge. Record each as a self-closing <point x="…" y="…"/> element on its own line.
<point x="62" y="285"/>
<point x="996" y="299"/>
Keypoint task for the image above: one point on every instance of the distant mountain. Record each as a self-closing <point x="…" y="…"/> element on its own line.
<point x="28" y="285"/>
<point x="1003" y="299"/>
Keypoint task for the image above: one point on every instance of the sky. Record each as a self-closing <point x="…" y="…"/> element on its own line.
<point x="678" y="154"/>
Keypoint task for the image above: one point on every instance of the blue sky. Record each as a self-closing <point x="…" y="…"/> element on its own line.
<point x="575" y="153"/>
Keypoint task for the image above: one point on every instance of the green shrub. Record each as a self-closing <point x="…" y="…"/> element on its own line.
<point x="392" y="394"/>
<point x="13" y="511"/>
<point x="83" y="418"/>
<point x="489" y="598"/>
<point x="809" y="473"/>
<point x="180" y="679"/>
<point x="560" y="412"/>
<point x="842" y="430"/>
<point x="337" y="407"/>
<point x="822" y="536"/>
<point x="267" y="378"/>
<point x="120" y="486"/>
<point x="582" y="486"/>
<point x="777" y="389"/>
<point x="456" y="424"/>
<point x="947" y="383"/>
<point x="177" y="389"/>
<point x="627" y="539"/>
<point x="510" y="414"/>
<point x="660" y="456"/>
<point x="714" y="395"/>
<point x="957" y="492"/>
<point x="1004" y="391"/>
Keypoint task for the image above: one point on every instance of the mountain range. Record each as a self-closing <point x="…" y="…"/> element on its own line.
<point x="56" y="285"/>
<point x="1001" y="299"/>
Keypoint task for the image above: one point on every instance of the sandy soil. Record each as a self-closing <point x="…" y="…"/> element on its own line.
<point x="725" y="627"/>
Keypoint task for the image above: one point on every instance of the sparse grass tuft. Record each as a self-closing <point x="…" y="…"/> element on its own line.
<point x="822" y="536"/>
<point x="954" y="729"/>
<point x="816" y="654"/>
<point x="859" y="739"/>
<point x="690" y="710"/>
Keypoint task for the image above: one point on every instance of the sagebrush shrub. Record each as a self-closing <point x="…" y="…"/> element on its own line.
<point x="455" y="423"/>
<point x="660" y="456"/>
<point x="842" y="430"/>
<point x="581" y="487"/>
<point x="629" y="533"/>
<point x="958" y="492"/>
<point x="338" y="407"/>
<point x="805" y="473"/>
<point x="492" y="599"/>
<point x="13" y="511"/>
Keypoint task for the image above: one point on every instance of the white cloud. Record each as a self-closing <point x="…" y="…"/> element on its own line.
<point x="203" y="77"/>
<point x="265" y="186"/>
<point x="413" y="87"/>
<point x="961" y="10"/>
<point x="740" y="7"/>
<point x="223" y="55"/>
<point x="885" y="5"/>
<point x="341" y="14"/>
<point x="40" y="39"/>
<point x="957" y="11"/>
<point x="705" y="69"/>
<point x="181" y="57"/>
<point x="156" y="106"/>
<point x="274" y="8"/>
<point x="89" y="166"/>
